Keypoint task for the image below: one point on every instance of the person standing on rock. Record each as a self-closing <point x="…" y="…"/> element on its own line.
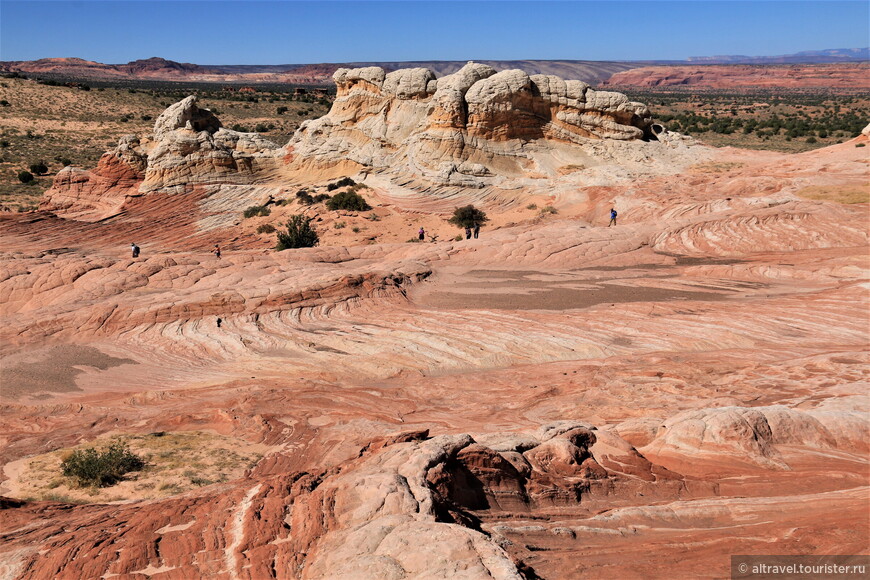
<point x="134" y="250"/>
<point x="612" y="217"/>
<point x="217" y="251"/>
<point x="421" y="234"/>
<point x="476" y="230"/>
<point x="467" y="233"/>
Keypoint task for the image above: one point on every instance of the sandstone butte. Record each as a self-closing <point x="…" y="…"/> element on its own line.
<point x="556" y="399"/>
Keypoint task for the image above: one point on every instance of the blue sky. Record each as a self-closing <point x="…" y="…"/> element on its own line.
<point x="282" y="32"/>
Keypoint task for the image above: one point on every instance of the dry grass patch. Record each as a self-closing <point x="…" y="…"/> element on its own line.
<point x="837" y="194"/>
<point x="174" y="463"/>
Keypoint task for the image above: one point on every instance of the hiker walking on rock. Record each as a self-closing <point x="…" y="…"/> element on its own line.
<point x="134" y="250"/>
<point x="467" y="233"/>
<point x="612" y="217"/>
<point x="217" y="251"/>
<point x="476" y="230"/>
<point x="422" y="234"/>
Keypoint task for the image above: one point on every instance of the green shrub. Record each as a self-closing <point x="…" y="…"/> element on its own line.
<point x="466" y="217"/>
<point x="257" y="210"/>
<point x="339" y="225"/>
<point x="265" y="229"/>
<point x="304" y="197"/>
<point x="532" y="206"/>
<point x="320" y="197"/>
<point x="811" y="140"/>
<point x="548" y="210"/>
<point x="38" y="168"/>
<point x="65" y="161"/>
<point x="355" y="229"/>
<point x="298" y="235"/>
<point x="349" y="200"/>
<point x="281" y="110"/>
<point x="344" y="181"/>
<point x="25" y="177"/>
<point x="90" y="467"/>
<point x="860" y="144"/>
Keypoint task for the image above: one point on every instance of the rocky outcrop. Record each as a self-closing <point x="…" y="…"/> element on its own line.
<point x="188" y="147"/>
<point x="456" y="129"/>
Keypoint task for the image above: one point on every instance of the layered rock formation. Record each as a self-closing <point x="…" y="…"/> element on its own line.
<point x="462" y="127"/>
<point x="747" y="77"/>
<point x="188" y="148"/>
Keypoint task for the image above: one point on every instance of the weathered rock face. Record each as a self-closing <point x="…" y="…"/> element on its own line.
<point x="189" y="147"/>
<point x="455" y="129"/>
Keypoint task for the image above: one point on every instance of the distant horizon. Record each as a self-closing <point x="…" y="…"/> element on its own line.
<point x="697" y="56"/>
<point x="213" y="32"/>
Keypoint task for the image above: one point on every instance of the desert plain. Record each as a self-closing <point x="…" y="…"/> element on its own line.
<point x="558" y="398"/>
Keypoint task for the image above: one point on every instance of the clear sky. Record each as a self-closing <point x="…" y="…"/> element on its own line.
<point x="283" y="32"/>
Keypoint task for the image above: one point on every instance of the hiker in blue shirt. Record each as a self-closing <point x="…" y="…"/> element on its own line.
<point x="612" y="217"/>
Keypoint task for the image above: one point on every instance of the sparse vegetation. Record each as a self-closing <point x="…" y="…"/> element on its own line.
<point x="299" y="234"/>
<point x="90" y="467"/>
<point x="466" y="217"/>
<point x="532" y="206"/>
<point x="257" y="210"/>
<point x="548" y="210"/>
<point x="38" y="168"/>
<point x="339" y="225"/>
<point x="304" y="197"/>
<point x="25" y="176"/>
<point x="343" y="182"/>
<point x="349" y="200"/>
<point x="265" y="229"/>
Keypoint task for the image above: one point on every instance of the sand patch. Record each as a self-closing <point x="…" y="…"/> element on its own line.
<point x="55" y="370"/>
<point x="175" y="463"/>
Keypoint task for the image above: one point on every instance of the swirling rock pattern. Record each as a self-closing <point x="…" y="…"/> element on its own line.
<point x="537" y="402"/>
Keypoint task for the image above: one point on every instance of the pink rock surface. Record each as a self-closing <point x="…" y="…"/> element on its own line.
<point x="542" y="400"/>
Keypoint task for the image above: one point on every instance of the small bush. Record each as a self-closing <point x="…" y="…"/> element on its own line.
<point x="320" y="197"/>
<point x="548" y="210"/>
<point x="38" y="168"/>
<point x="257" y="210"/>
<point x="265" y="229"/>
<point x="458" y="238"/>
<point x="349" y="200"/>
<point x="90" y="467"/>
<point x="145" y="117"/>
<point x="811" y="140"/>
<point x="344" y="181"/>
<point x="299" y="234"/>
<point x="374" y="217"/>
<point x="4" y="143"/>
<point x="4" y="103"/>
<point x="304" y="197"/>
<point x="281" y="110"/>
<point x="239" y="128"/>
<point x="261" y="128"/>
<point x="339" y="225"/>
<point x="860" y="144"/>
<point x="65" y="161"/>
<point x="532" y="206"/>
<point x="466" y="217"/>
<point x="414" y="241"/>
<point x="355" y="229"/>
<point x="25" y="177"/>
